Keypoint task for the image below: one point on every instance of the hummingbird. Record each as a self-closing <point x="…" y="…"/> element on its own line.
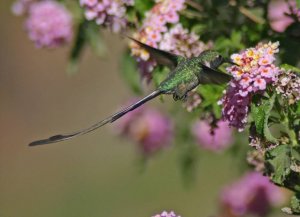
<point x="185" y="75"/>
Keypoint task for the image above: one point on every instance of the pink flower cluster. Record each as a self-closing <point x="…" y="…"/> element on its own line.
<point x="179" y="41"/>
<point x="148" y="128"/>
<point x="214" y="139"/>
<point x="155" y="24"/>
<point x="252" y="194"/>
<point x="110" y="13"/>
<point x="254" y="72"/>
<point x="166" y="214"/>
<point x="49" y="24"/>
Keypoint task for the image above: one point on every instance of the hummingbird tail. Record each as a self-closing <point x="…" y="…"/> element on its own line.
<point x="114" y="117"/>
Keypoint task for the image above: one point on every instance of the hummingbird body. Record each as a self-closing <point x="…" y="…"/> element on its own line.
<point x="185" y="75"/>
<point x="190" y="73"/>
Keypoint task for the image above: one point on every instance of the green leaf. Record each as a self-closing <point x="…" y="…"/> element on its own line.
<point x="268" y="107"/>
<point x="130" y="73"/>
<point x="229" y="45"/>
<point x="282" y="166"/>
<point x="87" y="33"/>
<point x="261" y="114"/>
<point x="298" y="3"/>
<point x="289" y="67"/>
<point x="259" y="117"/>
<point x="278" y="163"/>
<point x="142" y="6"/>
<point x="211" y="95"/>
<point x="94" y="39"/>
<point x="295" y="204"/>
<point x="198" y="29"/>
<point x="236" y="40"/>
<point x="78" y="46"/>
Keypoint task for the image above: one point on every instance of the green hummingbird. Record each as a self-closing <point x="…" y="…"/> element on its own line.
<point x="185" y="75"/>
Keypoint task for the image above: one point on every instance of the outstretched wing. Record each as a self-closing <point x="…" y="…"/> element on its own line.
<point x="213" y="76"/>
<point x="162" y="57"/>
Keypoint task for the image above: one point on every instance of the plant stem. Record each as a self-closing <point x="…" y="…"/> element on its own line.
<point x="195" y="5"/>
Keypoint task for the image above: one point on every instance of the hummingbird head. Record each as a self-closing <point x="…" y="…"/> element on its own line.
<point x="214" y="59"/>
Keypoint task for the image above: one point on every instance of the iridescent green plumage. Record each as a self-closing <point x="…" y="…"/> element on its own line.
<point x="185" y="75"/>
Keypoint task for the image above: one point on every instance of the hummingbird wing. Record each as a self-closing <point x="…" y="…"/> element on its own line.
<point x="114" y="117"/>
<point x="213" y="76"/>
<point x="161" y="57"/>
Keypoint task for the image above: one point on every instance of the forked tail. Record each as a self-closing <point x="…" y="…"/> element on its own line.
<point x="114" y="117"/>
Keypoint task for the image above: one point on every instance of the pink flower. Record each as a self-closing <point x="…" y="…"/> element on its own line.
<point x="252" y="194"/>
<point x="245" y="81"/>
<point x="266" y="60"/>
<point x="260" y="83"/>
<point x="254" y="72"/>
<point x="152" y="130"/>
<point x="166" y="214"/>
<point x="288" y="84"/>
<point x="266" y="72"/>
<point x="155" y="23"/>
<point x="172" y="17"/>
<point x="181" y="42"/>
<point x="148" y="128"/>
<point x="214" y="139"/>
<point x="110" y="13"/>
<point x="277" y="10"/>
<point x="49" y="24"/>
<point x="235" y="106"/>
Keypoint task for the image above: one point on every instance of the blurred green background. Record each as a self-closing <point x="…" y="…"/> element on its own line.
<point x="94" y="175"/>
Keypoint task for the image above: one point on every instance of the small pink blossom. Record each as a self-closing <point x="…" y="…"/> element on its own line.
<point x="152" y="130"/>
<point x="266" y="72"/>
<point x="166" y="214"/>
<point x="49" y="24"/>
<point x="163" y="12"/>
<point x="252" y="194"/>
<point x="260" y="83"/>
<point x="288" y="84"/>
<point x="214" y="139"/>
<point x="148" y="128"/>
<point x="110" y="13"/>
<point x="277" y="14"/>
<point x="245" y="81"/>
<point x="172" y="17"/>
<point x="266" y="60"/>
<point x="182" y="42"/>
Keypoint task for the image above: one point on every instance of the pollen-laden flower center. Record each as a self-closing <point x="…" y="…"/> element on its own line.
<point x="253" y="72"/>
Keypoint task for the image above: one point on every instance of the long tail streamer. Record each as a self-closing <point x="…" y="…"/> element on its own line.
<point x="114" y="117"/>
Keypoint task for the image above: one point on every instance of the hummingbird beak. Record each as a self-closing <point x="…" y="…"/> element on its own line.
<point x="227" y="60"/>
